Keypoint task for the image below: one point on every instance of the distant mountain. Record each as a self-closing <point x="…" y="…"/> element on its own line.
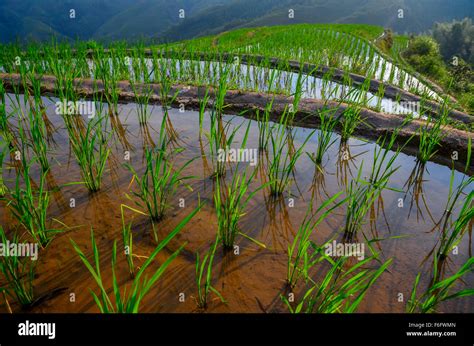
<point x="150" y="18"/>
<point x="41" y="19"/>
<point x="418" y="15"/>
<point x="159" y="20"/>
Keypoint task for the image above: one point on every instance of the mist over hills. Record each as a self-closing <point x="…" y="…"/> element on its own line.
<point x="159" y="20"/>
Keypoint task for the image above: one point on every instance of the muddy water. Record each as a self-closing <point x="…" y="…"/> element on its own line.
<point x="253" y="280"/>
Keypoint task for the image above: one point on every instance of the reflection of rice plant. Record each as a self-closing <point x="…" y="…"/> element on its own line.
<point x="19" y="274"/>
<point x="160" y="181"/>
<point x="452" y="232"/>
<point x="340" y="290"/>
<point x="128" y="301"/>
<point x="30" y="206"/>
<point x="91" y="151"/>
<point x="300" y="260"/>
<point x="282" y="164"/>
<point x="204" y="272"/>
<point x="439" y="291"/>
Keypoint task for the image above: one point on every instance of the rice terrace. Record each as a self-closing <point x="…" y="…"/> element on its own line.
<point x="302" y="168"/>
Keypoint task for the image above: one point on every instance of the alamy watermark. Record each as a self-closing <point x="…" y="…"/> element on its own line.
<point x="336" y="249"/>
<point x="37" y="329"/>
<point x="238" y="155"/>
<point x="402" y="107"/>
<point x="10" y="249"/>
<point x="85" y="108"/>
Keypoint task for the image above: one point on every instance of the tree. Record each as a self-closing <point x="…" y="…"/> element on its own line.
<point x="424" y="55"/>
<point x="456" y="39"/>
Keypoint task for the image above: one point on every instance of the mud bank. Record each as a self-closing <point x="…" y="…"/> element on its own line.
<point x="374" y="123"/>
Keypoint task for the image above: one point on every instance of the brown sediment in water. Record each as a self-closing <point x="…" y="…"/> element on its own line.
<point x="253" y="280"/>
<point x="374" y="123"/>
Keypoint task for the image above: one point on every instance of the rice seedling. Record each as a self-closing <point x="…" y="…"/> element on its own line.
<point x="5" y="130"/>
<point x="452" y="231"/>
<point x="160" y="180"/>
<point x="30" y="206"/>
<point x="362" y="194"/>
<point x="431" y="134"/>
<point x="297" y="95"/>
<point x="3" y="151"/>
<point x="142" y="99"/>
<point x="379" y="97"/>
<point x="204" y="273"/>
<point x="91" y="151"/>
<point x="127" y="238"/>
<point x="440" y="291"/>
<point x="383" y="164"/>
<point x="203" y="102"/>
<point x="165" y="79"/>
<point x="230" y="206"/>
<point x="166" y="85"/>
<point x="351" y="119"/>
<point x="340" y="291"/>
<point x="219" y="97"/>
<point x="109" y="77"/>
<point x="221" y="137"/>
<point x="264" y="129"/>
<point x="300" y="260"/>
<point x="360" y="198"/>
<point x="326" y="135"/>
<point x="281" y="165"/>
<point x="18" y="274"/>
<point x="128" y="302"/>
<point x="40" y="125"/>
<point x="468" y="155"/>
<point x="38" y="138"/>
<point x="61" y="63"/>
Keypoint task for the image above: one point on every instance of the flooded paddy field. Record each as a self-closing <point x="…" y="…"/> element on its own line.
<point x="403" y="224"/>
